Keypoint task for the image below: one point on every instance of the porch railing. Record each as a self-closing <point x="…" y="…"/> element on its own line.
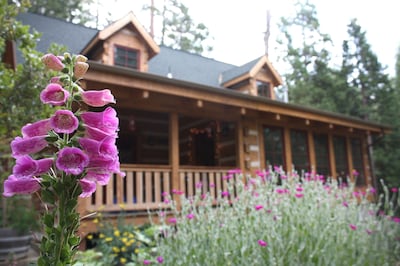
<point x="143" y="187"/>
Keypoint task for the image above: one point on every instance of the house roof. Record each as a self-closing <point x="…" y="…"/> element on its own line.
<point x="108" y="31"/>
<point x="168" y="62"/>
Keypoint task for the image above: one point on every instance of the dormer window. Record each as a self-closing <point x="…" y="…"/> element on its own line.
<point x="263" y="89"/>
<point x="126" y="57"/>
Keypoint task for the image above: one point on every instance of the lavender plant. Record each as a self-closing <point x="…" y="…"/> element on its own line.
<point x="65" y="156"/>
<point x="304" y="221"/>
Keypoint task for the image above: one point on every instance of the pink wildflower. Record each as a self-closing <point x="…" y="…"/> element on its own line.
<point x="394" y="189"/>
<point x="299" y="189"/>
<point x="372" y="190"/>
<point x="172" y="220"/>
<point x="14" y="185"/>
<point x="258" y="207"/>
<point x="146" y="262"/>
<point x="52" y="62"/>
<point x="27" y="167"/>
<point x="39" y="128"/>
<point x="353" y="227"/>
<point x="160" y="259"/>
<point x="190" y="216"/>
<point x="64" y="121"/>
<point x="234" y="171"/>
<point x="54" y="94"/>
<point x="345" y="204"/>
<point x="396" y="219"/>
<point x="72" y="160"/>
<point x="262" y="243"/>
<point x="177" y="192"/>
<point x="98" y="98"/>
<point x="88" y="187"/>
<point x="23" y="146"/>
<point x="224" y="193"/>
<point x="299" y="195"/>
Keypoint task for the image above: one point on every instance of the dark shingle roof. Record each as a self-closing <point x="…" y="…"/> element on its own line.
<point x="53" y="30"/>
<point x="187" y="66"/>
<point x="179" y="64"/>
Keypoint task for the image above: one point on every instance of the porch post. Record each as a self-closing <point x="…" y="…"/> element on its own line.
<point x="174" y="153"/>
<point x="332" y="162"/>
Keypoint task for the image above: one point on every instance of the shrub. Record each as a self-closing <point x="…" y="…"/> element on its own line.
<point x="299" y="222"/>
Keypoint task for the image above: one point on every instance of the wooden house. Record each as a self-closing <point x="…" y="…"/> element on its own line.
<point x="187" y="119"/>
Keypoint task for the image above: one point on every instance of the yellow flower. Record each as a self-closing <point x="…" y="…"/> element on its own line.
<point x="116" y="249"/>
<point x="101" y="235"/>
<point x="122" y="260"/>
<point x="136" y="251"/>
<point x="95" y="220"/>
<point x="122" y="206"/>
<point x="123" y="249"/>
<point x="108" y="239"/>
<point x="124" y="240"/>
<point x="117" y="233"/>
<point x="89" y="237"/>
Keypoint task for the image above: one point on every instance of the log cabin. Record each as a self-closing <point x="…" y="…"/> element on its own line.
<point x="186" y="119"/>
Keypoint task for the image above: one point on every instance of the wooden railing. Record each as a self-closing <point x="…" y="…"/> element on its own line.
<point x="144" y="185"/>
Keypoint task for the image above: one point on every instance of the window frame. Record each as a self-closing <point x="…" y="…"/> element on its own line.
<point x="265" y="89"/>
<point x="126" y="50"/>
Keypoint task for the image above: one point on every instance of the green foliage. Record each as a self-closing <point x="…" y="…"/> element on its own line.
<point x="122" y="243"/>
<point x="295" y="223"/>
<point x="76" y="11"/>
<point x="178" y="29"/>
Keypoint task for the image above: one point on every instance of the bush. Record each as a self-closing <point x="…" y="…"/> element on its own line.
<point x="302" y="222"/>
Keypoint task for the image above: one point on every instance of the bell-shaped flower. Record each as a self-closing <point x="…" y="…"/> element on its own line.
<point x="54" y="94"/>
<point x="23" y="146"/>
<point x="106" y="121"/>
<point x="39" y="128"/>
<point x="80" y="69"/>
<point x="64" y="121"/>
<point x="97" y="98"/>
<point x="27" y="167"/>
<point x="52" y="62"/>
<point x="105" y="147"/>
<point x="97" y="134"/>
<point x="72" y="160"/>
<point x="88" y="187"/>
<point x="25" y="185"/>
<point x="56" y="80"/>
<point x="102" y="177"/>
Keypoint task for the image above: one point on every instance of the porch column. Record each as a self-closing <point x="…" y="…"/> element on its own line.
<point x="288" y="150"/>
<point x="332" y="162"/>
<point x="311" y="151"/>
<point x="174" y="152"/>
<point x="349" y="159"/>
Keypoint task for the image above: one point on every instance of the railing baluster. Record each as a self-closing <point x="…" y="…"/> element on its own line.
<point x="157" y="187"/>
<point x="149" y="185"/>
<point x="129" y="189"/>
<point x="139" y="187"/>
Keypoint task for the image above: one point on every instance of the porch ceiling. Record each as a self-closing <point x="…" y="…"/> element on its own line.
<point x="148" y="91"/>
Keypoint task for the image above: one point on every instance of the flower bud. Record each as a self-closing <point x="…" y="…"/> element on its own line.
<point x="80" y="69"/>
<point x="52" y="62"/>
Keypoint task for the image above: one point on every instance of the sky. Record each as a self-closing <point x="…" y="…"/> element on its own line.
<point x="237" y="27"/>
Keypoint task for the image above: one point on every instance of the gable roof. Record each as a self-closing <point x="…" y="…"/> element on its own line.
<point x="249" y="70"/>
<point x="129" y="19"/>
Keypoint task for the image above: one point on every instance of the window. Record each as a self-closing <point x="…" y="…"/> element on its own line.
<point x="274" y="146"/>
<point x="299" y="145"/>
<point x="358" y="165"/>
<point x="126" y="57"/>
<point x="263" y="89"/>
<point x="342" y="169"/>
<point x="321" y="148"/>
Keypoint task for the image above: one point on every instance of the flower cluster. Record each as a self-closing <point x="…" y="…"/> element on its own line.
<point x="66" y="155"/>
<point x="81" y="143"/>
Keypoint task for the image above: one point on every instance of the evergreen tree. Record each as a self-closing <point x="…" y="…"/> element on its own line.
<point x="76" y="11"/>
<point x="179" y="30"/>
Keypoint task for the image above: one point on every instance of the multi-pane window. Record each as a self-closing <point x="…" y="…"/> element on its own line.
<point x="358" y="165"/>
<point x="263" y="89"/>
<point x="274" y="146"/>
<point x="299" y="146"/>
<point x="126" y="57"/>
<point x="321" y="148"/>
<point x="342" y="169"/>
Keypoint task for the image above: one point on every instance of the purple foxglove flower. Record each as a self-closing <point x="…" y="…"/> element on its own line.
<point x="52" y="62"/>
<point x="97" y="134"/>
<point x="105" y="147"/>
<point x="27" y="167"/>
<point x="106" y="121"/>
<point x="101" y="177"/>
<point x="56" y="80"/>
<point x="72" y="160"/>
<point x="54" y="94"/>
<point x="23" y="146"/>
<point x="80" y="69"/>
<point x="88" y="187"/>
<point x="14" y="185"/>
<point x="39" y="128"/>
<point x="64" y="121"/>
<point x="98" y="98"/>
